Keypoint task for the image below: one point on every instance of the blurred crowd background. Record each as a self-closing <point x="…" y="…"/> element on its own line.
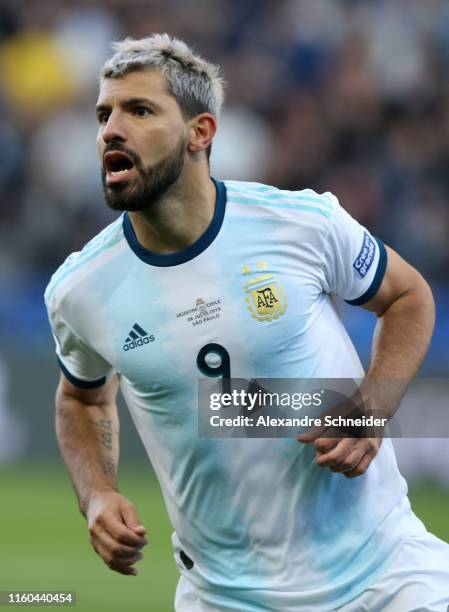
<point x="350" y="96"/>
<point x="346" y="95"/>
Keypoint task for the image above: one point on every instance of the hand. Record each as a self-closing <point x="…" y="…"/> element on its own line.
<point x="116" y="533"/>
<point x="350" y="456"/>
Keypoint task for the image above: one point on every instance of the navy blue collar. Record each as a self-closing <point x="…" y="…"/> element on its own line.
<point x="174" y="259"/>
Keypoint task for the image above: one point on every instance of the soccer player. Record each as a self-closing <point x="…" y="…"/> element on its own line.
<point x="260" y="524"/>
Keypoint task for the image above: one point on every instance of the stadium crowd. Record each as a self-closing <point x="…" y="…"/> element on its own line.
<point x="343" y="95"/>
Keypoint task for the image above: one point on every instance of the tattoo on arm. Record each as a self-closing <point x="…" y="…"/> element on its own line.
<point x="109" y="467"/>
<point x="106" y="432"/>
<point x="105" y="427"/>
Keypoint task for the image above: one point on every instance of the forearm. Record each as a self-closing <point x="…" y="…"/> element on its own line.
<point x="401" y="339"/>
<point x="88" y="439"/>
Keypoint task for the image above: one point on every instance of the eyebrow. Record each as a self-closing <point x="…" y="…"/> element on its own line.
<point x="100" y="108"/>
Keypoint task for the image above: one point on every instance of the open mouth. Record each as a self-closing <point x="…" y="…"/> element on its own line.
<point x="118" y="165"/>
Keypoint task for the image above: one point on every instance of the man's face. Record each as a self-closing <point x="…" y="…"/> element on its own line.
<point x="141" y="140"/>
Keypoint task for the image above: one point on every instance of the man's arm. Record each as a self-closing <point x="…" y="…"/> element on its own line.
<point x="406" y="315"/>
<point x="87" y="428"/>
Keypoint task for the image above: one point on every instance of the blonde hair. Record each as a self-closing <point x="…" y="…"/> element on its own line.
<point x="196" y="84"/>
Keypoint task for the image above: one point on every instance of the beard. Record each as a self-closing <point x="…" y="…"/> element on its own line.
<point x="152" y="182"/>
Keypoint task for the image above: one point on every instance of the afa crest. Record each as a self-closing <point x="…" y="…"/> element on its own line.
<point x="265" y="297"/>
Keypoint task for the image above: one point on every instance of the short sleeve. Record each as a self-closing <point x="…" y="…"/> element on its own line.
<point x="355" y="260"/>
<point x="80" y="364"/>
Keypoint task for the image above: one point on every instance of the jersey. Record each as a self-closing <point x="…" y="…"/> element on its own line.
<point x="256" y="520"/>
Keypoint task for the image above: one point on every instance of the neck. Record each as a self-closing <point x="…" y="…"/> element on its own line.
<point x="179" y="217"/>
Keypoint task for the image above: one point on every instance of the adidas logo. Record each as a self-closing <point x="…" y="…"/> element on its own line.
<point x="137" y="337"/>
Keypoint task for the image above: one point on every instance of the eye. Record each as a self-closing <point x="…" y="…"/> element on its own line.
<point x="102" y="118"/>
<point x="142" y="111"/>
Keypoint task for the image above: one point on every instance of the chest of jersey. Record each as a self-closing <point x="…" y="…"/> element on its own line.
<point x="254" y="299"/>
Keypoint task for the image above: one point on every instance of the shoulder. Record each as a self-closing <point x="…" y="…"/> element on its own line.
<point x="259" y="199"/>
<point x="79" y="266"/>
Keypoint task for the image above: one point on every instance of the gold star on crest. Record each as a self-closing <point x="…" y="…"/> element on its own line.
<point x="262" y="265"/>
<point x="246" y="270"/>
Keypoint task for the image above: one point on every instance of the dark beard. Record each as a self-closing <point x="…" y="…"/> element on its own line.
<point x="154" y="181"/>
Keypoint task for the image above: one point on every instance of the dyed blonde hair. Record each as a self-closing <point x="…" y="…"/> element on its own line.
<point x="196" y="84"/>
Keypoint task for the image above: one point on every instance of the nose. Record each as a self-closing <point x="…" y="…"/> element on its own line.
<point x="114" y="129"/>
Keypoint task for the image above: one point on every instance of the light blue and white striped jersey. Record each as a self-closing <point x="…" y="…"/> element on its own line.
<point x="263" y="525"/>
